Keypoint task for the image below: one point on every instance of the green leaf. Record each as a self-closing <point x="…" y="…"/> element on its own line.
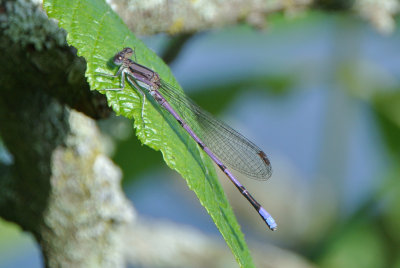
<point x="98" y="33"/>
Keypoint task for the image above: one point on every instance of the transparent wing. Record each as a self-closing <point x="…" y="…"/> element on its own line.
<point x="232" y="148"/>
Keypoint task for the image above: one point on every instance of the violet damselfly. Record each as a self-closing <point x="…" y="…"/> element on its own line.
<point x="213" y="136"/>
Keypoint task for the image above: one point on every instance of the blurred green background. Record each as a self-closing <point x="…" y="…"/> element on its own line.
<point x="320" y="94"/>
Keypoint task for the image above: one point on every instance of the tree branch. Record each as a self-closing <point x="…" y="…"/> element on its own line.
<point x="60" y="186"/>
<point x="164" y="244"/>
<point x="181" y="16"/>
<point x="86" y="208"/>
<point x="173" y="17"/>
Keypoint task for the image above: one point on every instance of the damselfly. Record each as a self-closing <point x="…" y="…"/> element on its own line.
<point x="222" y="143"/>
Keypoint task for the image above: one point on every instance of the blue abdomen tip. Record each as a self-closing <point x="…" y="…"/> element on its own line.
<point x="268" y="219"/>
<point x="271" y="223"/>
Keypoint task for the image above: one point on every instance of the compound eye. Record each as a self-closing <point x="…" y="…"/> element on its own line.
<point x="118" y="59"/>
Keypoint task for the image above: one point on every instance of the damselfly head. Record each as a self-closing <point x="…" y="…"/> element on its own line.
<point x="126" y="53"/>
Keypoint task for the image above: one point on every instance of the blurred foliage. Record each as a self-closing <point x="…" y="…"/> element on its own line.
<point x="387" y="108"/>
<point x="359" y="245"/>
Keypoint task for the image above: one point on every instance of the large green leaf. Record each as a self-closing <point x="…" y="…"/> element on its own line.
<point x="98" y="33"/>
